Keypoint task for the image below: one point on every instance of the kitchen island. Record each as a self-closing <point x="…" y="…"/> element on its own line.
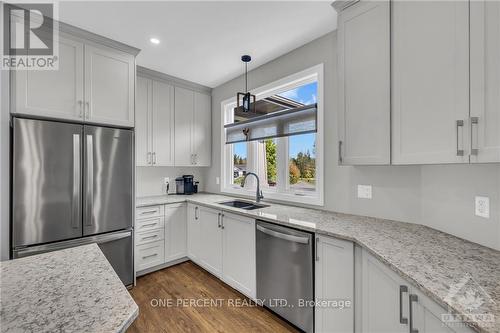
<point x="72" y="290"/>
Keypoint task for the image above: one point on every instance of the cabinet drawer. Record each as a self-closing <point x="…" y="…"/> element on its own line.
<point x="149" y="236"/>
<point x="149" y="224"/>
<point x="149" y="255"/>
<point x="147" y="212"/>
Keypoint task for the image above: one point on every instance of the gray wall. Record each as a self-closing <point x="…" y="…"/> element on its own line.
<point x="149" y="181"/>
<point x="439" y="196"/>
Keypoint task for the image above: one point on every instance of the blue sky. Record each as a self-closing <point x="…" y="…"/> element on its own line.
<point x="298" y="143"/>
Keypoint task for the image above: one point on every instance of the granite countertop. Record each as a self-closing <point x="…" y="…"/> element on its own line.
<point x="446" y="268"/>
<point x="71" y="290"/>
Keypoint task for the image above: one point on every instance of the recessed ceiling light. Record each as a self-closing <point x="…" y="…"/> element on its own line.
<point x="155" y="41"/>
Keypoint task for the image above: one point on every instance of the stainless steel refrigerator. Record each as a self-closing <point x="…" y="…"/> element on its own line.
<point x="73" y="184"/>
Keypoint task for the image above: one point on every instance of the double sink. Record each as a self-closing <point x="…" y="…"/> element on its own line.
<point x="246" y="205"/>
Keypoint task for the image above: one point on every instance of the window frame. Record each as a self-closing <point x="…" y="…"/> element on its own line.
<point x="280" y="193"/>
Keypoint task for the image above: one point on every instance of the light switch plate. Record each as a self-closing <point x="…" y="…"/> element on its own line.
<point x="364" y="191"/>
<point x="166" y="180"/>
<point x="483" y="207"/>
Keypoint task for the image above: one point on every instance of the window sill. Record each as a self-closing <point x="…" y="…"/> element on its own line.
<point x="285" y="198"/>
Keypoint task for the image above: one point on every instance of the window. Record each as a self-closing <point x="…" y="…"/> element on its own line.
<point x="289" y="167"/>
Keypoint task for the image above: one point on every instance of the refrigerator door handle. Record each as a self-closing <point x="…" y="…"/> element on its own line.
<point x="89" y="195"/>
<point x="75" y="200"/>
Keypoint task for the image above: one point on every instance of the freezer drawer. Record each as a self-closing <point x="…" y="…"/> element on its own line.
<point x="116" y="247"/>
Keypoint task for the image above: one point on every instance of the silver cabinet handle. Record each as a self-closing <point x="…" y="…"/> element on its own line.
<point x="75" y="201"/>
<point x="149" y="224"/>
<point x="317" y="248"/>
<point x="340" y="152"/>
<point x="222" y="221"/>
<point x="149" y="237"/>
<point x="147" y="212"/>
<point x="402" y="289"/>
<point x="196" y="212"/>
<point x="149" y="256"/>
<point x="87" y="110"/>
<point x="413" y="298"/>
<point x="154" y="158"/>
<point x="291" y="238"/>
<point x="218" y="220"/>
<point x="149" y="157"/>
<point x="90" y="179"/>
<point x="80" y="108"/>
<point x="474" y="121"/>
<point x="460" y="124"/>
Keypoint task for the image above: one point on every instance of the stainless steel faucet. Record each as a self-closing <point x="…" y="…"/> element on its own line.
<point x="259" y="194"/>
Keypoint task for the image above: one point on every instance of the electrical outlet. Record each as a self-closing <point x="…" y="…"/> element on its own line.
<point x="483" y="207"/>
<point x="217" y="180"/>
<point x="364" y="191"/>
<point x="166" y="180"/>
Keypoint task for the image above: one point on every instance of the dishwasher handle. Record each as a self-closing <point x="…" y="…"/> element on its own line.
<point x="291" y="238"/>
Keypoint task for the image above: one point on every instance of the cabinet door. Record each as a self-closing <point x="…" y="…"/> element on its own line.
<point x="364" y="75"/>
<point x="427" y="317"/>
<point x="238" y="248"/>
<point x="193" y="233"/>
<point x="175" y="231"/>
<point x="210" y="240"/>
<point x="485" y="81"/>
<point x="52" y="93"/>
<point x="384" y="303"/>
<point x="202" y="129"/>
<point x="334" y="281"/>
<point x="109" y="86"/>
<point x="184" y="106"/>
<point x="143" y="122"/>
<point x="430" y="82"/>
<point x="163" y="124"/>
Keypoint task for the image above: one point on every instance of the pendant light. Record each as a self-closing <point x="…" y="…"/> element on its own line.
<point x="246" y="99"/>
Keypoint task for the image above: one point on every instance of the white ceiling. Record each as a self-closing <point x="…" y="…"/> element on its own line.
<point x="203" y="41"/>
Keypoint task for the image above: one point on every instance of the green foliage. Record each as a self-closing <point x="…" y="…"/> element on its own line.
<point x="271" y="160"/>
<point x="306" y="164"/>
<point x="238" y="160"/>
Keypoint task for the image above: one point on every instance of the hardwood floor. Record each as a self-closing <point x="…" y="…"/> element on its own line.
<point x="160" y="296"/>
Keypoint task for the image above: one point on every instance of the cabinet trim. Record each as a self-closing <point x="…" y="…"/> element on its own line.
<point x="159" y="76"/>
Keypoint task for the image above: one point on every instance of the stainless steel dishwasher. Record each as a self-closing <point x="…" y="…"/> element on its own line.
<point x="285" y="267"/>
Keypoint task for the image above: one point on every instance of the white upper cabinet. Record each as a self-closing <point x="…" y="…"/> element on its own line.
<point x="485" y="81"/>
<point x="202" y="129"/>
<point x="52" y="93"/>
<point x="144" y="109"/>
<point x="93" y="83"/>
<point x="430" y="82"/>
<point x="364" y="89"/>
<point x="193" y="123"/>
<point x="163" y="124"/>
<point x="109" y="86"/>
<point x="184" y="108"/>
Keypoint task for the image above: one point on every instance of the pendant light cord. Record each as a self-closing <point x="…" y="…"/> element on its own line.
<point x="246" y="76"/>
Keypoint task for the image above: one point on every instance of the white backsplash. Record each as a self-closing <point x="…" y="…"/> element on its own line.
<point x="149" y="180"/>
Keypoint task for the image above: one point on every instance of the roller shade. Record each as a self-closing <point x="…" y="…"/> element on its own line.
<point x="288" y="122"/>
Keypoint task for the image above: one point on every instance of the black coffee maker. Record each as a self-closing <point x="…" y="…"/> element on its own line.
<point x="185" y="185"/>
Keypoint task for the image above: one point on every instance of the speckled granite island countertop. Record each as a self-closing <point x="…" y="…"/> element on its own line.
<point x="435" y="262"/>
<point x="71" y="290"/>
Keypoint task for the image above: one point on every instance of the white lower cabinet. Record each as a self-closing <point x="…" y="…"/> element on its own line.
<point x="389" y="304"/>
<point x="223" y="244"/>
<point x="238" y="253"/>
<point x="160" y="236"/>
<point x="334" y="282"/>
<point x="175" y="231"/>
